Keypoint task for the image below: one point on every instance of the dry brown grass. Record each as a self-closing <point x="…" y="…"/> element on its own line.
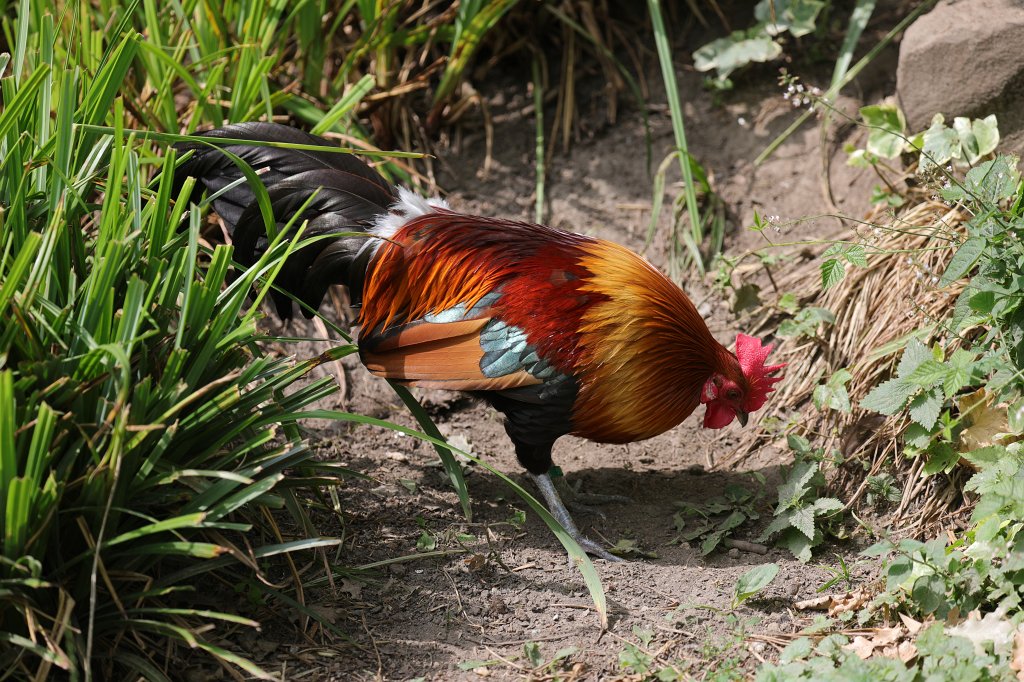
<point x="877" y="308"/>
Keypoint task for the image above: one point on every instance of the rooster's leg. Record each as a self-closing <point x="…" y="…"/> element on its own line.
<point x="558" y="510"/>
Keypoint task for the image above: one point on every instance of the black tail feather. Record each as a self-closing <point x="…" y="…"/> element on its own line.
<point x="347" y="196"/>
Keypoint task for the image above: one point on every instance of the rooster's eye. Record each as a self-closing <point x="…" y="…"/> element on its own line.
<point x="732" y="394"/>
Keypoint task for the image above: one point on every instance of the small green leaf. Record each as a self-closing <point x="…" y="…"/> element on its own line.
<point x="627" y="547"/>
<point x="1015" y="417"/>
<point x="889" y="397"/>
<point x="806" y="322"/>
<point x="796" y="16"/>
<point x="968" y="142"/>
<point x="928" y="374"/>
<point x="711" y="542"/>
<point x="941" y="144"/>
<point x="832" y="272"/>
<point x="753" y="581"/>
<point x="797" y="650"/>
<point x="798" y="444"/>
<point x="878" y="549"/>
<point x="859" y="158"/>
<point x="963" y="260"/>
<point x="886" y="129"/>
<point x="982" y="302"/>
<point x="740" y="48"/>
<point x="929" y="592"/>
<point x="734" y="520"/>
<point x="778" y="524"/>
<point x="633" y="659"/>
<point x="803" y="521"/>
<point x="925" y="408"/>
<point x="533" y="655"/>
<point x="840" y="377"/>
<point x="913" y="355"/>
<point x="993" y="181"/>
<point x="797" y="543"/>
<point x="989" y="457"/>
<point x="645" y="636"/>
<point x="668" y="674"/>
<point x="960" y="366"/>
<point x="856" y="255"/>
<point x="941" y="458"/>
<point x="986" y="132"/>
<point x="884" y="196"/>
<point x="825" y="506"/>
<point x="910" y="545"/>
<point x="917" y="436"/>
<point x="900" y="570"/>
<point x="788" y="303"/>
<point x="426" y="542"/>
<point x="826" y="397"/>
<point x="797" y="484"/>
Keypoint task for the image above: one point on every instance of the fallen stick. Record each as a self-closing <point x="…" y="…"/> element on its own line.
<point x="745" y="546"/>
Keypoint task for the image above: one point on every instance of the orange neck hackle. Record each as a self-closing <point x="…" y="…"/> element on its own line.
<point x="646" y="351"/>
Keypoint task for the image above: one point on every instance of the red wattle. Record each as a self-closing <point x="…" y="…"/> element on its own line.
<point x="718" y="415"/>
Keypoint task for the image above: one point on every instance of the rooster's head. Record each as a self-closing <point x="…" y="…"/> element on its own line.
<point x="732" y="395"/>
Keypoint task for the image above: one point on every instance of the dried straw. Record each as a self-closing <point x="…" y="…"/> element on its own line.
<point x="876" y="309"/>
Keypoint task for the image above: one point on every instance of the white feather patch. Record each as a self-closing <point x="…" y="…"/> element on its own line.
<point x="409" y="205"/>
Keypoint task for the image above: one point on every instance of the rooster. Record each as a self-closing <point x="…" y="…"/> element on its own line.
<point x="560" y="332"/>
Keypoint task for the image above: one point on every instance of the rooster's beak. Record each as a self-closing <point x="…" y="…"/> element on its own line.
<point x="742" y="417"/>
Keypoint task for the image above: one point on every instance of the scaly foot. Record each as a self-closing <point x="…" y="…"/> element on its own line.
<point x="558" y="510"/>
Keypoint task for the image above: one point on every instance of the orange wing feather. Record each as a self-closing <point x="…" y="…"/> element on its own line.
<point x="442" y="260"/>
<point x="433" y="355"/>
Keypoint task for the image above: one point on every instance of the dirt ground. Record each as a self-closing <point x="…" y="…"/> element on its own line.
<point x="510" y="584"/>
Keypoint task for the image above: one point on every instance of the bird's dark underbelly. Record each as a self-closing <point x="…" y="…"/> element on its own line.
<point x="534" y="426"/>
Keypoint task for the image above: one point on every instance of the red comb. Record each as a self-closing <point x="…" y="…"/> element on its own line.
<point x="751" y="355"/>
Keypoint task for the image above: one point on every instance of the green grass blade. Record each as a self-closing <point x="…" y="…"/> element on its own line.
<point x="184" y="521"/>
<point x="8" y="428"/>
<point x="198" y="550"/>
<point x="57" y="658"/>
<point x="15" y="108"/>
<point x="676" y="108"/>
<point x="444" y="451"/>
<point x="858" y="22"/>
<point x="345" y="105"/>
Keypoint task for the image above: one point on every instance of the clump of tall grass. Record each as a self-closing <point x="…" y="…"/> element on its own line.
<point x="141" y="432"/>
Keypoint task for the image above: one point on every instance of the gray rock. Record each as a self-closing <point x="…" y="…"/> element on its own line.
<point x="964" y="58"/>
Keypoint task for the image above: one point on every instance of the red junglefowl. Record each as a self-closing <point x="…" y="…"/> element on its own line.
<point x="560" y="332"/>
